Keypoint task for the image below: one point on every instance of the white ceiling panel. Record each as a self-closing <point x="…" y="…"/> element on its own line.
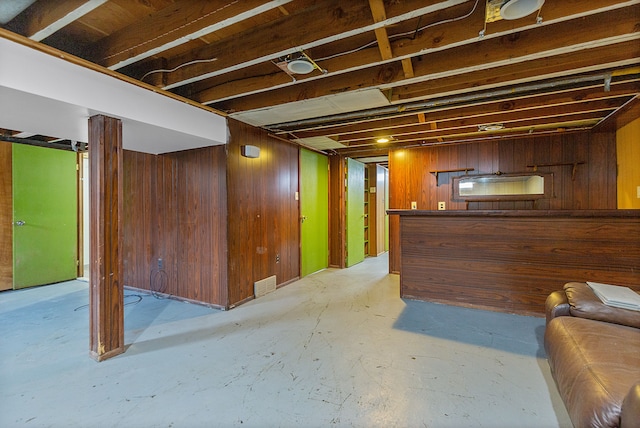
<point x="305" y="109"/>
<point x="320" y="143"/>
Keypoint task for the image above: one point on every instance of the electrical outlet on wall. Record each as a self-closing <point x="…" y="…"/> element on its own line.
<point x="414" y="205"/>
<point x="442" y="206"/>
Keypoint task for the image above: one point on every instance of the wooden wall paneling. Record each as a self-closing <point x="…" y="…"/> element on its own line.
<point x="201" y="225"/>
<point x="189" y="209"/>
<point x="137" y="206"/>
<point x="396" y="192"/>
<point x="163" y="276"/>
<point x="541" y="156"/>
<point x="444" y="155"/>
<point x="431" y="162"/>
<point x="487" y="156"/>
<point x="336" y="212"/>
<point x="601" y="173"/>
<point x="567" y="154"/>
<point x="506" y="150"/>
<point x="175" y="223"/>
<point x="520" y="162"/>
<point x="131" y="238"/>
<point x="256" y="208"/>
<point x="556" y="156"/>
<point x="511" y="263"/>
<point x="6" y="216"/>
<point x="106" y="296"/>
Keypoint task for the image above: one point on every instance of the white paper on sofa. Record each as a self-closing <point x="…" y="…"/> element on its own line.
<point x="616" y="295"/>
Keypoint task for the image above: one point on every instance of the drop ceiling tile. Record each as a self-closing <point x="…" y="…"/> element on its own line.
<point x="317" y="107"/>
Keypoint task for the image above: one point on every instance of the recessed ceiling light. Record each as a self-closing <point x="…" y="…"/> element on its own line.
<point x="300" y="66"/>
<point x="491" y="127"/>
<point x="516" y="9"/>
<point x="382" y="140"/>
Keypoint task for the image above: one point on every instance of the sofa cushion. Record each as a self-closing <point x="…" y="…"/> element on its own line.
<point x="585" y="304"/>
<point x="594" y="365"/>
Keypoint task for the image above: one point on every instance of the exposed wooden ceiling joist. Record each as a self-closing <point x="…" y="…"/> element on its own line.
<point x="45" y="18"/>
<point x="389" y="54"/>
<point x="531" y="45"/>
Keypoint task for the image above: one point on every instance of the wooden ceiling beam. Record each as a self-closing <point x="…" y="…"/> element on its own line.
<point x="588" y="61"/>
<point x="170" y="27"/>
<point x="44" y="18"/>
<point x="532" y="47"/>
<point x="325" y="22"/>
<point x="567" y="122"/>
<point x="371" y="150"/>
<point x="515" y="103"/>
<point x="420" y="45"/>
<point x="596" y="109"/>
<point x="233" y="84"/>
<point x="380" y="15"/>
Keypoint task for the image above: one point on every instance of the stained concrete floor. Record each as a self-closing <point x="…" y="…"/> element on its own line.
<point x="337" y="348"/>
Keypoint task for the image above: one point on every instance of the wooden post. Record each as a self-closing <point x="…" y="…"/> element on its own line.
<point x="106" y="299"/>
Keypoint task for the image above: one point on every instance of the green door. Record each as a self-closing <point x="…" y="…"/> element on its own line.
<point x="44" y="215"/>
<point x="355" y="212"/>
<point x="314" y="212"/>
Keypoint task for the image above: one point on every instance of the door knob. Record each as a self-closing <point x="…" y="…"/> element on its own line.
<point x="19" y="223"/>
<point x="303" y="218"/>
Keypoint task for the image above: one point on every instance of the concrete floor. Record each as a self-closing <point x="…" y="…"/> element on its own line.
<point x="337" y="348"/>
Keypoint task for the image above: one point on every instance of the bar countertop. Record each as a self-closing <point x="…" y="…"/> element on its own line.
<point x="519" y="213"/>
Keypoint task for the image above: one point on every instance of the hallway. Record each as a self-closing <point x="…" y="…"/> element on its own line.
<point x="337" y="348"/>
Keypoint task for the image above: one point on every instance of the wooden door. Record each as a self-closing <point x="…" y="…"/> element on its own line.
<point x="6" y="218"/>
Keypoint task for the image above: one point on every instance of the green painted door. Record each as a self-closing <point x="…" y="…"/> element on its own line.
<point x="355" y="212"/>
<point x="314" y="212"/>
<point x="44" y="215"/>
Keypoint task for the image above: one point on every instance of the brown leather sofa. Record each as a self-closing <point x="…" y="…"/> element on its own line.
<point x="594" y="354"/>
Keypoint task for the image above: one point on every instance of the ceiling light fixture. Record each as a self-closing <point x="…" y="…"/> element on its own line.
<point x="490" y="127"/>
<point x="382" y="140"/>
<point x="297" y="63"/>
<point x="300" y="66"/>
<point x="516" y="9"/>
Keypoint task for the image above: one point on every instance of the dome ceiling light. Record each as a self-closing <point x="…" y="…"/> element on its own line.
<point x="297" y="63"/>
<point x="497" y="10"/>
<point x="516" y="9"/>
<point x="490" y="127"/>
<point x="300" y="66"/>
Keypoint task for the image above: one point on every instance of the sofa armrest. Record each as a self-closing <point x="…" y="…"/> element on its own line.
<point x="557" y="305"/>
<point x="630" y="414"/>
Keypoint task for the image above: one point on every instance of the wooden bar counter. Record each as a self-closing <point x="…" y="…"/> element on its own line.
<point x="509" y="261"/>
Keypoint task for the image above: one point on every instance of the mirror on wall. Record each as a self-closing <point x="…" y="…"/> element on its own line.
<point x="502" y="187"/>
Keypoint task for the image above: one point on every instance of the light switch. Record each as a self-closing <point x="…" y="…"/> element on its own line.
<point x="414" y="205"/>
<point x="442" y="206"/>
<point x="638" y="192"/>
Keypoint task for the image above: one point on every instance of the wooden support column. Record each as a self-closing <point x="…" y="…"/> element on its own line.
<point x="106" y="299"/>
